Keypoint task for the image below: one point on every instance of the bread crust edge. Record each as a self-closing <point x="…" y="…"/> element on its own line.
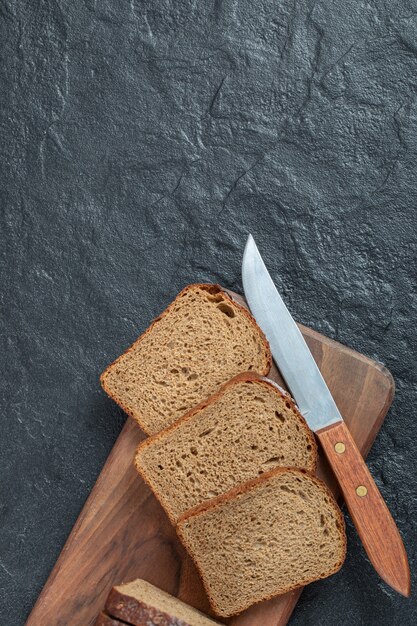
<point x="107" y="620"/>
<point x="138" y="612"/>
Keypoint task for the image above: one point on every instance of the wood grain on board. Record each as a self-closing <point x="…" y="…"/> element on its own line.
<point x="122" y="532"/>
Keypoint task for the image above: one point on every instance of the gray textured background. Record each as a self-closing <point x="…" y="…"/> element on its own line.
<point x="140" y="142"/>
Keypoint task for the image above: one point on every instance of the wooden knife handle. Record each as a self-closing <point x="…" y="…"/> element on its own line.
<point x="374" y="523"/>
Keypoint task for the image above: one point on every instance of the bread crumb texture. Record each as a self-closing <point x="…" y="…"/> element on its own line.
<point x="247" y="429"/>
<point x="282" y="531"/>
<point x="201" y="340"/>
<point x="140" y="602"/>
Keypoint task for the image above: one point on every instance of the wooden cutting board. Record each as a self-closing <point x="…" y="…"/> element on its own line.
<point x="122" y="533"/>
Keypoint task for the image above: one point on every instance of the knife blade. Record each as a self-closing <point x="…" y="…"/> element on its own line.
<point x="374" y="523"/>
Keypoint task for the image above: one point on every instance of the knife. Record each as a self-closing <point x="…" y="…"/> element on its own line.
<point x="374" y="523"/>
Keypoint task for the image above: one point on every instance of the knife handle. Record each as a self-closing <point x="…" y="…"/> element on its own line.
<point x="374" y="523"/>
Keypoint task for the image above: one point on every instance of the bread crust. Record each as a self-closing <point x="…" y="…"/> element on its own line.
<point x="245" y="488"/>
<point x="106" y="620"/>
<point x="212" y="288"/>
<point x="243" y="377"/>
<point x="139" y="613"/>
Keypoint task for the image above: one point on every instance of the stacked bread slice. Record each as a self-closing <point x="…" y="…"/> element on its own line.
<point x="230" y="457"/>
<point x="197" y="344"/>
<point x="139" y="603"/>
<point x="263" y="538"/>
<point x="249" y="427"/>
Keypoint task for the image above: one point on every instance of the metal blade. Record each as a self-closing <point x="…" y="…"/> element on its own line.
<point x="290" y="351"/>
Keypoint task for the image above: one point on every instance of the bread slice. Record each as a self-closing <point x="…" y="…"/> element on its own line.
<point x="200" y="341"/>
<point x="249" y="427"/>
<point x="278" y="532"/>
<point x="139" y="603"/>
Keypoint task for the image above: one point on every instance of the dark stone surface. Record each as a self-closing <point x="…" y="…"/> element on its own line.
<point x="140" y="142"/>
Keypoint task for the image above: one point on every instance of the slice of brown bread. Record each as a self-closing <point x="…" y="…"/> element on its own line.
<point x="278" y="532"/>
<point x="249" y="427"/>
<point x="200" y="341"/>
<point x="139" y="603"/>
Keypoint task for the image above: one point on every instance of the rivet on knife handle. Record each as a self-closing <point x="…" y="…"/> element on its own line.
<point x="374" y="523"/>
